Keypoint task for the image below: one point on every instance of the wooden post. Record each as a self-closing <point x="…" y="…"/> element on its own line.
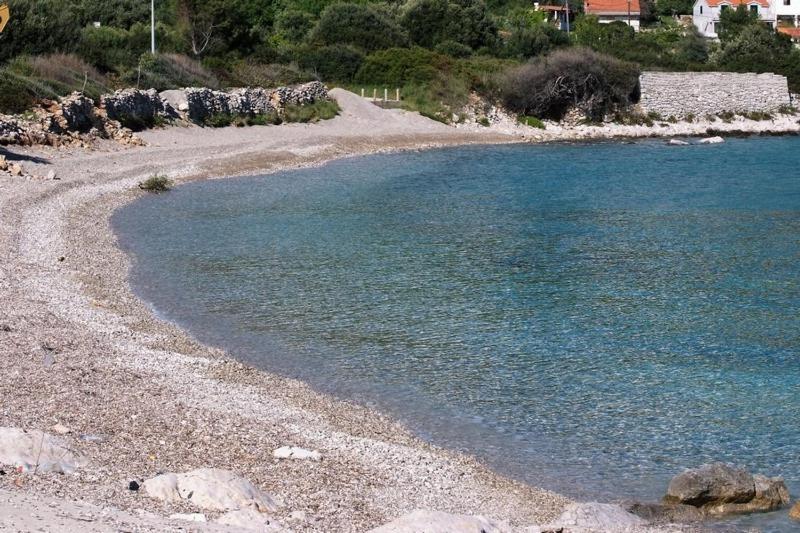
<point x="374" y="93"/>
<point x="385" y="94"/>
<point x="362" y="92"/>
<point x="397" y="94"/>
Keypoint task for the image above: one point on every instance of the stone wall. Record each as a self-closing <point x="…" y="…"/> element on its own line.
<point x="678" y="94"/>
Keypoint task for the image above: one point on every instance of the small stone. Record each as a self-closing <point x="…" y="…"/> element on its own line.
<point x="794" y="513"/>
<point x="293" y="452"/>
<point x="61" y="429"/>
<point x="677" y="142"/>
<point x="51" y="175"/>
<point x="133" y="485"/>
<point x="15" y="169"/>
<point x="711" y="140"/>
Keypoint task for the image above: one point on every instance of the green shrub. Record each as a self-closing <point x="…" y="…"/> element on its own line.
<point x="483" y="121"/>
<point x="293" y="25"/>
<point x="397" y="67"/>
<point x="156" y="183"/>
<point x="549" y="87"/>
<point x="531" y="121"/>
<point x="362" y="25"/>
<point x="453" y="49"/>
<point x="331" y="63"/>
<point x="322" y="110"/>
<point x="170" y="71"/>
<point x="430" y="22"/>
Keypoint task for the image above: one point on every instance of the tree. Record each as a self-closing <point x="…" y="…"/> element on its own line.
<point x="755" y="48"/>
<point x="293" y="25"/>
<point x="733" y="21"/>
<point x="430" y="22"/>
<point x="363" y="26"/>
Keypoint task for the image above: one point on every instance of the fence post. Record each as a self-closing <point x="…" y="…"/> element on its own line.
<point x="385" y="94"/>
<point x="397" y="94"/>
<point x="362" y="92"/>
<point x="374" y="93"/>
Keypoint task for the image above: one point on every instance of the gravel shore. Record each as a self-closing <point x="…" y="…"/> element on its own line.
<point x="137" y="396"/>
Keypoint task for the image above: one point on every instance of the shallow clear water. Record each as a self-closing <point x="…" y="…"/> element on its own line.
<point x="591" y="318"/>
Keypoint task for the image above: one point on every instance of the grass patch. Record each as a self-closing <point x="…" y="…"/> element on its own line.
<point x="322" y="110"/>
<point x="531" y="121"/>
<point x="156" y="183"/>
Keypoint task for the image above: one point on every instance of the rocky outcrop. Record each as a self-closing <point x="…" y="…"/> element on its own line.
<point x="439" y="522"/>
<point x="35" y="451"/>
<point x="210" y="488"/>
<point x="720" y="489"/>
<point x="137" y="109"/>
<point x="77" y="112"/>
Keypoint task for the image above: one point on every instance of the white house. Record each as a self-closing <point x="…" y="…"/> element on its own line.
<point x="706" y="12"/>
<point x="788" y="12"/>
<point x="626" y="11"/>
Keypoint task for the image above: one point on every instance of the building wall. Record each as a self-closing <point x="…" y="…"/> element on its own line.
<point x="708" y="93"/>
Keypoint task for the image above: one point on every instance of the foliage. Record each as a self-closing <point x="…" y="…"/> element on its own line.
<point x="25" y="80"/>
<point x="453" y="49"/>
<point x="397" y="67"/>
<point x="360" y="25"/>
<point x="549" y="87"/>
<point x="156" y="183"/>
<point x="431" y="22"/>
<point x="530" y="41"/>
<point x="252" y="74"/>
<point x="293" y="25"/>
<point x="167" y="71"/>
<point x="333" y="63"/>
<point x="733" y="21"/>
<point x="321" y="110"/>
<point x="531" y="121"/>
<point x="669" y="8"/>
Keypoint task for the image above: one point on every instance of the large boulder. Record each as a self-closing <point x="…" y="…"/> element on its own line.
<point x="210" y="488"/>
<point x="35" y="451"/>
<point x="439" y="522"/>
<point x="593" y="516"/>
<point x="719" y="489"/>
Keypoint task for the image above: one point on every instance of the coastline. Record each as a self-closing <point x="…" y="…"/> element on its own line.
<point x="88" y="354"/>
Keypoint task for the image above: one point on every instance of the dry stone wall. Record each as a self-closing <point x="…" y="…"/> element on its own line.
<point x="678" y="94"/>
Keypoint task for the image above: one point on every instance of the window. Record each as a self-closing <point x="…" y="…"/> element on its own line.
<point x="754" y="9"/>
<point x="701" y="8"/>
<point x="724" y="7"/>
<point x="787" y="2"/>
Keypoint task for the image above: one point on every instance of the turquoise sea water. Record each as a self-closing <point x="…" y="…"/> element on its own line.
<point x="591" y="318"/>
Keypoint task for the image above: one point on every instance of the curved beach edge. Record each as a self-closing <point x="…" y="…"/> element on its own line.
<point x="137" y="396"/>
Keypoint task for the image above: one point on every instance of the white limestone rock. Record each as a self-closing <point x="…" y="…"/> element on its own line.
<point x="37" y="451"/>
<point x="440" y="522"/>
<point x="593" y="516"/>
<point x="293" y="452"/>
<point x="677" y="142"/>
<point x="711" y="140"/>
<point x="249" y="519"/>
<point x="212" y="489"/>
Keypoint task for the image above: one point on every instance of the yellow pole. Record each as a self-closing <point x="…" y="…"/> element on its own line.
<point x="5" y="14"/>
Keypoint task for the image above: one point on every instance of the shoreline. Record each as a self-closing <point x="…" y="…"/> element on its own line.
<point x="140" y="396"/>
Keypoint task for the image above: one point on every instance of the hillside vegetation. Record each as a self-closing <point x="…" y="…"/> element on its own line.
<point x="435" y="51"/>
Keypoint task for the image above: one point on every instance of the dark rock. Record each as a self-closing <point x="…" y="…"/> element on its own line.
<point x="665" y="513"/>
<point x="133" y="485"/>
<point x="137" y="109"/>
<point x="78" y="112"/>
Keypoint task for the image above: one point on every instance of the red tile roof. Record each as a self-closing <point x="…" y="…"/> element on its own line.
<point x="794" y="33"/>
<point x="611" y="7"/>
<point x="715" y="3"/>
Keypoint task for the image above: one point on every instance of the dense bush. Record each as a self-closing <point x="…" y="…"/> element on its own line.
<point x="364" y="26"/>
<point x="397" y="67"/>
<point x="333" y="63"/>
<point x="293" y="25"/>
<point x="549" y="87"/>
<point x="250" y="74"/>
<point x="530" y="41"/>
<point x="430" y="22"/>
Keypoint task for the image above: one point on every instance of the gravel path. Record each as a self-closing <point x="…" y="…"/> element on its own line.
<point x="138" y="396"/>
